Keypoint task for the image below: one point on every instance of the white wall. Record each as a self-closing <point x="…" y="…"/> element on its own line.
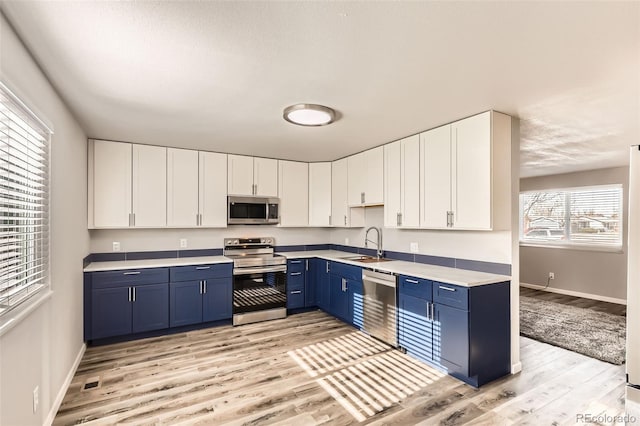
<point x="599" y="274"/>
<point x="41" y="348"/>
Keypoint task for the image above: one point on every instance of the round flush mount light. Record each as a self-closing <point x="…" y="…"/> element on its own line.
<point x="309" y="115"/>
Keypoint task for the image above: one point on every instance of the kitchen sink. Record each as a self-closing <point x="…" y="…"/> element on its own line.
<point x="367" y="259"/>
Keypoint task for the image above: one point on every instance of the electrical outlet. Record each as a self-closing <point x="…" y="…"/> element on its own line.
<point x="346" y="241"/>
<point x="552" y="276"/>
<point x="413" y="247"/>
<point x="36" y="398"/>
<point x="183" y="243"/>
<point x="116" y="246"/>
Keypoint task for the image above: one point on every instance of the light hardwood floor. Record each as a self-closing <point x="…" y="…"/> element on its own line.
<point x="312" y="369"/>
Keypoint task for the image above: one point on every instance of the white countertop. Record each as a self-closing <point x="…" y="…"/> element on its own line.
<point x="155" y="263"/>
<point x="456" y="276"/>
<point x="460" y="277"/>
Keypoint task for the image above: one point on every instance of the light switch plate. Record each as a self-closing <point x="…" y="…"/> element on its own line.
<point x="116" y="246"/>
<point x="413" y="247"/>
<point x="346" y="241"/>
<point x="183" y="243"/>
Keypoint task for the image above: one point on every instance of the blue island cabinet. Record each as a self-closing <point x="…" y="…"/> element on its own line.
<point x="465" y="330"/>
<point x="125" y="302"/>
<point x="200" y="293"/>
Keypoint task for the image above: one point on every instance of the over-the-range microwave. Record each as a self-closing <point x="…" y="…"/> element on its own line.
<point x="252" y="210"/>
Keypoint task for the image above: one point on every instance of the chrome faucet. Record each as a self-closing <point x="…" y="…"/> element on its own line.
<point x="378" y="243"/>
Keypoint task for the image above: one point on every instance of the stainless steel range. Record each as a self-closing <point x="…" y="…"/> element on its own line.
<point x="259" y="280"/>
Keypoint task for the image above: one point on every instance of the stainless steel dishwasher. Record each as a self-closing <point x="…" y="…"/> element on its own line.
<point x="380" y="306"/>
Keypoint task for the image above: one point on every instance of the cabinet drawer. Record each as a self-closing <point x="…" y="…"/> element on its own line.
<point x="296" y="265"/>
<point x="417" y="287"/>
<point x="295" y="298"/>
<point x="451" y="295"/>
<point x="349" y="272"/>
<point x="295" y="280"/>
<point x="118" y="278"/>
<point x="200" y="272"/>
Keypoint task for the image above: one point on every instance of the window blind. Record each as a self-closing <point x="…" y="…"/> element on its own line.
<point x="581" y="216"/>
<point x="24" y="202"/>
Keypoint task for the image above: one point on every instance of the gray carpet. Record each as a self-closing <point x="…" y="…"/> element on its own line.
<point x="599" y="335"/>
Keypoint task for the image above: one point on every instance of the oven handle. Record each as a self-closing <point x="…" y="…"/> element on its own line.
<point x="247" y="271"/>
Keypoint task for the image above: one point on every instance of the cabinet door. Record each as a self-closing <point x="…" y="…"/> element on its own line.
<point x="452" y="325"/>
<point x="339" y="193"/>
<point x="435" y="168"/>
<point x="109" y="184"/>
<point x="373" y="186"/>
<point x="338" y="297"/>
<point x="217" y="299"/>
<point x="293" y="180"/>
<point x="392" y="185"/>
<point x="185" y="303"/>
<point x="149" y="186"/>
<point x="471" y="173"/>
<point x="150" y="307"/>
<point x="319" y="194"/>
<point x="110" y="312"/>
<point x="265" y="176"/>
<point x="212" y="189"/>
<point x="182" y="187"/>
<point x="240" y="175"/>
<point x="310" y="287"/>
<point x="356" y="303"/>
<point x="410" y="182"/>
<point x="357" y="174"/>
<point x="415" y="330"/>
<point x="323" y="278"/>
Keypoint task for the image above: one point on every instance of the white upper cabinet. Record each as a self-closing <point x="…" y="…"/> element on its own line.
<point x="196" y="189"/>
<point x="240" y="181"/>
<point x="182" y="188"/>
<point x="252" y="176"/>
<point x="402" y="183"/>
<point x="293" y="178"/>
<point x="212" y="189"/>
<point x="341" y="214"/>
<point x="265" y="176"/>
<point x="366" y="178"/>
<point x="149" y="186"/>
<point x="459" y="163"/>
<point x="319" y="194"/>
<point x="109" y="184"/>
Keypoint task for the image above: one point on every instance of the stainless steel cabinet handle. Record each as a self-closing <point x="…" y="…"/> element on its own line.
<point x="344" y="284"/>
<point x="433" y="311"/>
<point x="295" y="262"/>
<point x="329" y="219"/>
<point x="134" y="224"/>
<point x="362" y="197"/>
<point x="200" y="282"/>
<point x="132" y="273"/>
<point x="204" y="287"/>
<point x="306" y="264"/>
<point x="293" y="274"/>
<point x="129" y="296"/>
<point x="134" y="294"/>
<point x="447" y="288"/>
<point x="199" y="268"/>
<point x="327" y="266"/>
<point x="345" y="220"/>
<point x="412" y="281"/>
<point x="296" y="292"/>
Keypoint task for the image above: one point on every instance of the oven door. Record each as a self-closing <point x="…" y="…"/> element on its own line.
<point x="259" y="290"/>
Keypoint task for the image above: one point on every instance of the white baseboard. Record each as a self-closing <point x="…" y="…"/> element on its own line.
<point x="516" y="368"/>
<point x="575" y="293"/>
<point x="63" y="390"/>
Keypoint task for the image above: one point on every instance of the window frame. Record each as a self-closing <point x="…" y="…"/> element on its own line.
<point x="27" y="301"/>
<point x="568" y="243"/>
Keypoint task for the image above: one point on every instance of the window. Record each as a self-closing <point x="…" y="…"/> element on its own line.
<point x="580" y="216"/>
<point x="24" y="202"/>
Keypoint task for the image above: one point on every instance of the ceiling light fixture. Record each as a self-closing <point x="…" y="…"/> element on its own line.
<point x="309" y="115"/>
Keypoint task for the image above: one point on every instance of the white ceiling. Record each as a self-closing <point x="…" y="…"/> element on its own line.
<point x="217" y="75"/>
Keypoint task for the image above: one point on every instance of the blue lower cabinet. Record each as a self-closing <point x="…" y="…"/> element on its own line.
<point x="185" y="306"/>
<point x="295" y="297"/>
<point x="217" y="300"/>
<point x="321" y="276"/>
<point x="356" y="303"/>
<point x="452" y="325"/>
<point x="415" y="328"/>
<point x="338" y="297"/>
<point x="110" y="312"/>
<point x="150" y="307"/>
